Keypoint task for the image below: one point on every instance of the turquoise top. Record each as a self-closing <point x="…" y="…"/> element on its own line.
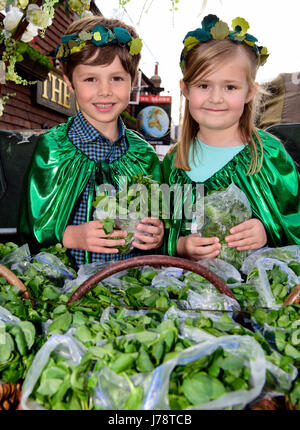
<point x="206" y="160"/>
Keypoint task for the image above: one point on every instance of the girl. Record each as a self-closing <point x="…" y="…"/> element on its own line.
<point x="220" y="145"/>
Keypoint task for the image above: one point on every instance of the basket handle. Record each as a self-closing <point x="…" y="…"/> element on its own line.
<point x="12" y="279"/>
<point x="294" y="297"/>
<point x="150" y="260"/>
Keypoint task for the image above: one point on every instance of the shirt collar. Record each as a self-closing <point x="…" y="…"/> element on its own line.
<point x="87" y="133"/>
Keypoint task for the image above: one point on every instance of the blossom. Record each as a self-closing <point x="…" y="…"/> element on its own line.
<point x="79" y="5"/>
<point x="1" y="107"/>
<point x="2" y="4"/>
<point x="12" y="19"/>
<point x="22" y="4"/>
<point x="30" y="33"/>
<point x="37" y="16"/>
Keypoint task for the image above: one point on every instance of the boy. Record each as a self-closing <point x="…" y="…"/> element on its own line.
<point x="100" y="60"/>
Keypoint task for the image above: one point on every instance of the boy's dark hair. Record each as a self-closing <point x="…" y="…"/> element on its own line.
<point x="101" y="55"/>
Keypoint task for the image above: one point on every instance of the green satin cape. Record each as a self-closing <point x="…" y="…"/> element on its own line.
<point x="58" y="174"/>
<point x="273" y="192"/>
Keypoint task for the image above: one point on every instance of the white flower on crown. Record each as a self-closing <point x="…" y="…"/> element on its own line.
<point x="30" y="33"/>
<point x="36" y="16"/>
<point x="12" y="19"/>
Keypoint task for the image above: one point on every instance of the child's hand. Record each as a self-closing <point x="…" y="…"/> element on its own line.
<point x="248" y="235"/>
<point x="156" y="230"/>
<point x="90" y="236"/>
<point x="197" y="248"/>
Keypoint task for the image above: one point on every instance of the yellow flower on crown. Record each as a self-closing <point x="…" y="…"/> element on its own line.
<point x="190" y="42"/>
<point x="242" y="23"/>
<point x="135" y="46"/>
<point x="97" y="36"/>
<point x="77" y="48"/>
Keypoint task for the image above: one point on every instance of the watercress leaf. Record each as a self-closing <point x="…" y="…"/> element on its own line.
<point x="61" y="323"/>
<point x="280" y="340"/>
<point x="143" y="362"/>
<point x="231" y="362"/>
<point x="29" y="332"/>
<point x="134" y="400"/>
<point x="292" y="352"/>
<point x="49" y="386"/>
<point x="197" y="389"/>
<point x="218" y="388"/>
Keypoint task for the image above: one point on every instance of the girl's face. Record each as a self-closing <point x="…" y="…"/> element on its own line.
<point x="217" y="102"/>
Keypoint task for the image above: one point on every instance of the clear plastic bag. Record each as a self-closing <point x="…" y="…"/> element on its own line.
<point x="223" y="210"/>
<point x="285" y="254"/>
<point x="64" y="345"/>
<point x="48" y="264"/>
<point x="112" y="390"/>
<point x="258" y="277"/>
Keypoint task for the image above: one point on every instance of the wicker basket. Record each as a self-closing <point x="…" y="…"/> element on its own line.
<point x="10" y="396"/>
<point x="10" y="392"/>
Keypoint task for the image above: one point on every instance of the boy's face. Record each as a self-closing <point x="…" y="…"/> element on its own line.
<point x="102" y="93"/>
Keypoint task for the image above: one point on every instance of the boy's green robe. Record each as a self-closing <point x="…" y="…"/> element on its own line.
<point x="58" y="174"/>
<point x="273" y="192"/>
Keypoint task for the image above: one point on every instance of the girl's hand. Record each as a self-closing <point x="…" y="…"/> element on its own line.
<point x="197" y="248"/>
<point x="90" y="236"/>
<point x="155" y="228"/>
<point x="248" y="235"/>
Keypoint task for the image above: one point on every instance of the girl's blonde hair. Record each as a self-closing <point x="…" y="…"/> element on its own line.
<point x="199" y="62"/>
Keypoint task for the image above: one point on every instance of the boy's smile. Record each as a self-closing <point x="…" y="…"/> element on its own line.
<point x="102" y="93"/>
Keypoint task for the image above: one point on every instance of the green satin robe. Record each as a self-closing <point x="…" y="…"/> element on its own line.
<point x="273" y="192"/>
<point x="58" y="174"/>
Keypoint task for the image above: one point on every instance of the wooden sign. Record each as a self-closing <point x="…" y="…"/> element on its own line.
<point x="54" y="94"/>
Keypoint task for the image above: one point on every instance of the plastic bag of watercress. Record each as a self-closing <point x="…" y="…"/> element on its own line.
<point x="117" y="212"/>
<point x="48" y="264"/>
<point x="44" y="383"/>
<point x="273" y="280"/>
<point x="287" y="254"/>
<point x="223" y="209"/>
<point x="200" y="392"/>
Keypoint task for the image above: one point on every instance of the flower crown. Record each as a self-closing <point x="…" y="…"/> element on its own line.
<point x="99" y="36"/>
<point x="213" y="28"/>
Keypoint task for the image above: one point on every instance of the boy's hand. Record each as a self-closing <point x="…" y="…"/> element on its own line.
<point x="90" y="236"/>
<point x="197" y="248"/>
<point x="155" y="228"/>
<point x="250" y="234"/>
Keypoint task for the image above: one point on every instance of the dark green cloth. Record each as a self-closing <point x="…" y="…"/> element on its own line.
<point x="273" y="192"/>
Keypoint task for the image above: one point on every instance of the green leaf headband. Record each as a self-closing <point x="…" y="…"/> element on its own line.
<point x="213" y="28"/>
<point x="99" y="36"/>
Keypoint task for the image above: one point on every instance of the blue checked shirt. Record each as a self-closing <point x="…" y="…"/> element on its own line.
<point x="98" y="148"/>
